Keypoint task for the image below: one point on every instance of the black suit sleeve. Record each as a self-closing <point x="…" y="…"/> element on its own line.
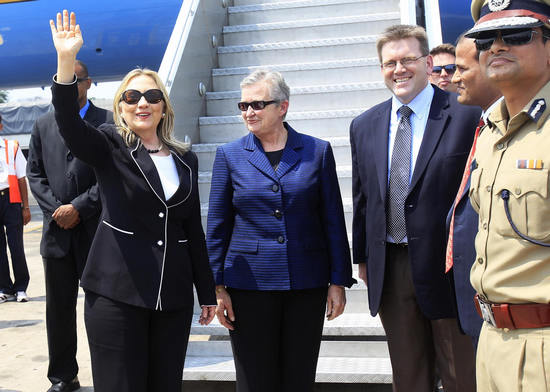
<point x="87" y="203"/>
<point x="82" y="138"/>
<point x="359" y="204"/>
<point x="202" y="274"/>
<point x="36" y="174"/>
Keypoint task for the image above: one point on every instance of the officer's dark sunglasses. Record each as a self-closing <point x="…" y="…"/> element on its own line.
<point x="513" y="37"/>
<point x="256" y="105"/>
<point x="449" y="68"/>
<point x="131" y="97"/>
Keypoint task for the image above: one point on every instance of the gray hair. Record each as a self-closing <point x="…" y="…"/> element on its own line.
<point x="278" y="89"/>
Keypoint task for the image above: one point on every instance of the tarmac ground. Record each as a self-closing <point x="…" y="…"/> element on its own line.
<point x="23" y="342"/>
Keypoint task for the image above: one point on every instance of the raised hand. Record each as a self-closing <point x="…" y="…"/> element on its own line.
<point x="66" y="35"/>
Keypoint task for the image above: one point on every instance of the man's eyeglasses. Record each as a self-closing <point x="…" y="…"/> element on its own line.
<point x="132" y="97"/>
<point x="80" y="80"/>
<point x="449" y="68"/>
<point x="256" y="105"/>
<point x="509" y="37"/>
<point x="405" y="62"/>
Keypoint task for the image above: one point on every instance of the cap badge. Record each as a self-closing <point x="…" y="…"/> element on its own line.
<point x="498" y="5"/>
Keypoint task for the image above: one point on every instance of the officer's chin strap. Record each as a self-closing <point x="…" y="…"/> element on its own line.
<point x="505" y="194"/>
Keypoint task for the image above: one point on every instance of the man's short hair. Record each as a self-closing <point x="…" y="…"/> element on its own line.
<point x="399" y="32"/>
<point x="84" y="68"/>
<point x="444" y="48"/>
<point x="461" y="38"/>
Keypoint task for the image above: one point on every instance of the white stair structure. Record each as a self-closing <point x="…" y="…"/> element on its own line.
<point x="326" y="51"/>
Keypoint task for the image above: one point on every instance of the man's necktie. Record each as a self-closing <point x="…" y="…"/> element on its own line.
<point x="465" y="177"/>
<point x="400" y="170"/>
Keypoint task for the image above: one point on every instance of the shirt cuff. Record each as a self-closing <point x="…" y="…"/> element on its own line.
<point x="65" y="84"/>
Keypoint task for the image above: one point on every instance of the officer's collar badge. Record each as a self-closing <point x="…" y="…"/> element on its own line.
<point x="537" y="109"/>
<point x="498" y="5"/>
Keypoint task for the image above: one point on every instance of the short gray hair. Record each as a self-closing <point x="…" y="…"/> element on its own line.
<point x="278" y="89"/>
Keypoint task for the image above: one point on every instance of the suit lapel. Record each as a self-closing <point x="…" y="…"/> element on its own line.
<point x="290" y="156"/>
<point x="257" y="156"/>
<point x="186" y="181"/>
<point x="382" y="125"/>
<point x="437" y="119"/>
<point x="147" y="167"/>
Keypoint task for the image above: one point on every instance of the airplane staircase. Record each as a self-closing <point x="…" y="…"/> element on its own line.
<point x="326" y="51"/>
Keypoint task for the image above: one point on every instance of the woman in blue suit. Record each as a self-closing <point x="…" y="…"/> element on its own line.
<point x="277" y="242"/>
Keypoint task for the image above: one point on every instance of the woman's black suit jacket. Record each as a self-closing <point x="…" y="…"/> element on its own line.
<point x="147" y="251"/>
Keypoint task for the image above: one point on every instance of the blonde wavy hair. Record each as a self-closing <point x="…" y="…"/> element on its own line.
<point x="165" y="128"/>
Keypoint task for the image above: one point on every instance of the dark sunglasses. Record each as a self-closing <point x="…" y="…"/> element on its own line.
<point x="132" y="97"/>
<point x="449" y="68"/>
<point x="80" y="80"/>
<point x="510" y="37"/>
<point x="256" y="105"/>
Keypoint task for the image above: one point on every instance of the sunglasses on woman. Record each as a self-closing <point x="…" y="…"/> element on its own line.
<point x="132" y="97"/>
<point x="256" y="105"/>
<point x="509" y="37"/>
<point x="449" y="68"/>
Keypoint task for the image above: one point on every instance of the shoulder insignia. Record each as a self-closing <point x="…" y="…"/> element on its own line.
<point x="537" y="109"/>
<point x="498" y="5"/>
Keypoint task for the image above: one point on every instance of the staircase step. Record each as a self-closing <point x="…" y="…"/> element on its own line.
<point x="307" y="98"/>
<point x="206" y="152"/>
<point x="329" y="370"/>
<point x="360" y="70"/>
<point x="344" y="181"/>
<point x="316" y="28"/>
<point x="329" y="348"/>
<point x="281" y="52"/>
<point x="348" y="324"/>
<point x="324" y="124"/>
<point x="283" y="11"/>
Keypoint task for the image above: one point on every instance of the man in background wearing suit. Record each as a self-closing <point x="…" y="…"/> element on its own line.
<point x="474" y="88"/>
<point x="67" y="193"/>
<point x="408" y="155"/>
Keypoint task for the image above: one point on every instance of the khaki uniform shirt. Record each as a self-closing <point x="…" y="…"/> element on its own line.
<point x="513" y="154"/>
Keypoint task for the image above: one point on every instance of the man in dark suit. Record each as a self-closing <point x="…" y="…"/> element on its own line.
<point x="408" y="155"/>
<point x="67" y="193"/>
<point x="474" y="89"/>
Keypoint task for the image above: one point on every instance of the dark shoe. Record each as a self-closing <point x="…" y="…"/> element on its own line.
<point x="63" y="386"/>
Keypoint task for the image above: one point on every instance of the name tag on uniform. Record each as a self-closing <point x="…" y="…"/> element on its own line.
<point x="535" y="164"/>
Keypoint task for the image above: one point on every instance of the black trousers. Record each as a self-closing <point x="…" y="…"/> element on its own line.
<point x="62" y="277"/>
<point x="135" y="349"/>
<point x="11" y="226"/>
<point x="277" y="338"/>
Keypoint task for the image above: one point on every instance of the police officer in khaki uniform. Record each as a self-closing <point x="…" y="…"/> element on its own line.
<point x="510" y="190"/>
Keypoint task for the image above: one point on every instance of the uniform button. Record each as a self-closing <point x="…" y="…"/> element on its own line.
<point x="159" y="242"/>
<point x="161" y="214"/>
<point x="489" y="188"/>
<point x="70" y="157"/>
<point x="500" y="146"/>
<point x="485" y="225"/>
<point x="277" y="214"/>
<point x="480" y="260"/>
<point x="280" y="239"/>
<point x="518" y="191"/>
<point x="275" y="188"/>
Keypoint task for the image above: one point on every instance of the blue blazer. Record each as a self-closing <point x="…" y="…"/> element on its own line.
<point x="464" y="254"/>
<point x="437" y="174"/>
<point x="277" y="230"/>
